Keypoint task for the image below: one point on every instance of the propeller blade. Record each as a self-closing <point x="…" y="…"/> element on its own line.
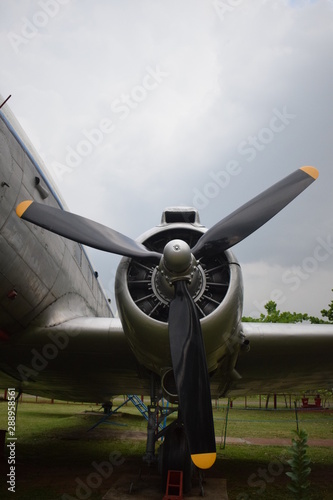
<point x="254" y="214"/>
<point x="82" y="230"/>
<point x="191" y="377"/>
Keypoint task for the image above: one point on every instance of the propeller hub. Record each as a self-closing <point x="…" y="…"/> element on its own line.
<point x="177" y="256"/>
<point x="177" y="264"/>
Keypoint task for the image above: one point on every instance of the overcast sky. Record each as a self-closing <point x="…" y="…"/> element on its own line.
<point x="141" y="104"/>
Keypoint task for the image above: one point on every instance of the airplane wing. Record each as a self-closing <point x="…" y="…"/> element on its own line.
<point x="284" y="358"/>
<point x="83" y="359"/>
<point x="89" y="359"/>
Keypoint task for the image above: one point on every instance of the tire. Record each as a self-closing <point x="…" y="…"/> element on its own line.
<point x="174" y="455"/>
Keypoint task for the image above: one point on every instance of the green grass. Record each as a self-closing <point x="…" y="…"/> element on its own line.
<point x="275" y="424"/>
<point x="54" y="451"/>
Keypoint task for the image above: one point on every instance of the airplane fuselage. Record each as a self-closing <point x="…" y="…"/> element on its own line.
<point x="38" y="270"/>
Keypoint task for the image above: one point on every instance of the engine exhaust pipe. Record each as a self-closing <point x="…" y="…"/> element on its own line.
<point x="169" y="386"/>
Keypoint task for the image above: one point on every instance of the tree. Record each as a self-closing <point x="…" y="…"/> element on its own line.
<point x="328" y="313"/>
<point x="274" y="315"/>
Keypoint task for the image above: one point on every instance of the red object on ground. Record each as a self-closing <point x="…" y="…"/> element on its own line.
<point x="174" y="489"/>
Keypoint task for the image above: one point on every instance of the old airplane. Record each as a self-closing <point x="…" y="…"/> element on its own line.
<point x="179" y="295"/>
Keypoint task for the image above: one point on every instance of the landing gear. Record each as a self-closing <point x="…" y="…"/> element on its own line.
<point x="174" y="455"/>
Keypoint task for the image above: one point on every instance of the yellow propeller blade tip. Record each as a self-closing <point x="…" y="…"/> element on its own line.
<point x="312" y="171"/>
<point x="22" y="207"/>
<point x="204" y="460"/>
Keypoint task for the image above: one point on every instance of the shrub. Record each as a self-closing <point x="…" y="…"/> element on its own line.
<point x="299" y="464"/>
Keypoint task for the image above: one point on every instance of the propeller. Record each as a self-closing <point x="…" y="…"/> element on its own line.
<point x="254" y="214"/>
<point x="191" y="376"/>
<point x="178" y="261"/>
<point x="82" y="230"/>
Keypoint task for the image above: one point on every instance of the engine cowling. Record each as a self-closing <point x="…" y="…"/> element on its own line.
<point x="144" y="291"/>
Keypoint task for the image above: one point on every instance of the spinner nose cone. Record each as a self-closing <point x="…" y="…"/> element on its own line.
<point x="177" y="256"/>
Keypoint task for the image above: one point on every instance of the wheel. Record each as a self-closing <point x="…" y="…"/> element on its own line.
<point x="174" y="455"/>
